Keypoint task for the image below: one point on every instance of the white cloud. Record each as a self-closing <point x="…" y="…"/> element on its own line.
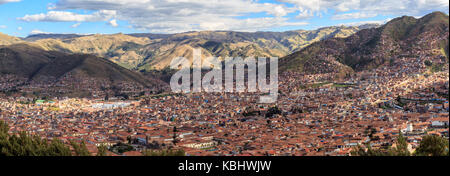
<point x="367" y="8"/>
<point x="169" y="16"/>
<point x="6" y="1"/>
<point x="359" y="23"/>
<point x="356" y="15"/>
<point x="33" y="32"/>
<point x="113" y="23"/>
<point x="63" y="16"/>
<point x="3" y="26"/>
<point x="19" y="28"/>
<point x="75" y="25"/>
<point x="166" y="16"/>
<point x="280" y="11"/>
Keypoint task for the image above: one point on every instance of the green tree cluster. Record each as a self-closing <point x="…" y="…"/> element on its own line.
<point x="433" y="146"/>
<point x="429" y="146"/>
<point x="102" y="150"/>
<point x="80" y="149"/>
<point x="272" y="112"/>
<point x="23" y="144"/>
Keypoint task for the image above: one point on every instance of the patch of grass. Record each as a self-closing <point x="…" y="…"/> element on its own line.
<point x="163" y="95"/>
<point x="313" y="86"/>
<point x="444" y="48"/>
<point x="436" y="68"/>
<point x="337" y="85"/>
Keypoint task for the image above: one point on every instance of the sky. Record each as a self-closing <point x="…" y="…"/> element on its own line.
<point x="25" y="17"/>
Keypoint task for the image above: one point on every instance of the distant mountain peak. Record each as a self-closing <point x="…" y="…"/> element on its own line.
<point x="369" y="25"/>
<point x="373" y="47"/>
<point x="8" y="40"/>
<point x="35" y="37"/>
<point x="154" y="51"/>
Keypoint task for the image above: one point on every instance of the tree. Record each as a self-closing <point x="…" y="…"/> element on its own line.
<point x="129" y="139"/>
<point x="402" y="146"/>
<point x="358" y="151"/>
<point x="433" y="146"/>
<point x="80" y="149"/>
<point x="400" y="150"/>
<point x="273" y="111"/>
<point x="370" y="131"/>
<point x="4" y="128"/>
<point x="368" y="151"/>
<point x="428" y="63"/>
<point x="175" y="140"/>
<point x="121" y="148"/>
<point x="102" y="150"/>
<point x="58" y="148"/>
<point x="23" y="144"/>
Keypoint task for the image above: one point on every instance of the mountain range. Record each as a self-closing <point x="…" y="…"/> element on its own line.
<point x="155" y="51"/>
<point x="130" y="63"/>
<point x="374" y="47"/>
